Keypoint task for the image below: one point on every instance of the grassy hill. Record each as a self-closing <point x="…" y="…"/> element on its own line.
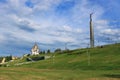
<point x="107" y="57"/>
<point x="100" y="63"/>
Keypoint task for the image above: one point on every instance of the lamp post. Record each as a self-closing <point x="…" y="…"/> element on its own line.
<point x="65" y="46"/>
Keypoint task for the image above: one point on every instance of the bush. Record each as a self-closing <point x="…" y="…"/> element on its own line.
<point x="58" y="50"/>
<point x="36" y="58"/>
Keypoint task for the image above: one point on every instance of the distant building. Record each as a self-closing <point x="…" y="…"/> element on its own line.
<point x="14" y="57"/>
<point x="35" y="50"/>
<point x="3" y="61"/>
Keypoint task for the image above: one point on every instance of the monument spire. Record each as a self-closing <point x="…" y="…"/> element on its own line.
<point x="91" y="32"/>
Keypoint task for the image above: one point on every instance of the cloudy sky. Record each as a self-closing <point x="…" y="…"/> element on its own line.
<point x="54" y="23"/>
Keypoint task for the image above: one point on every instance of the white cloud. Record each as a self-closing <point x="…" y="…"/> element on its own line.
<point x="49" y="28"/>
<point x="2" y="38"/>
<point x="45" y="4"/>
<point x="111" y="31"/>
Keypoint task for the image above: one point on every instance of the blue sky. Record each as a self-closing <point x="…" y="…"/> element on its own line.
<point x="54" y="23"/>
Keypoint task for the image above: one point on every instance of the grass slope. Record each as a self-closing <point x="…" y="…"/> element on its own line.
<point x="72" y="65"/>
<point x="106" y="58"/>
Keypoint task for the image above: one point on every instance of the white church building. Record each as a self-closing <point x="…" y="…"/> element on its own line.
<point x="35" y="50"/>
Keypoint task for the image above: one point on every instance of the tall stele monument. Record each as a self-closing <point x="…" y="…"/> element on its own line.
<point x="91" y="32"/>
<point x="35" y="50"/>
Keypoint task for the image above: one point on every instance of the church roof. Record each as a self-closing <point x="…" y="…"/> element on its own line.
<point x="35" y="47"/>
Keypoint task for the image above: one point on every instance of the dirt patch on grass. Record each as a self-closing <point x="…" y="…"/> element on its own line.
<point x="103" y="79"/>
<point x="3" y="77"/>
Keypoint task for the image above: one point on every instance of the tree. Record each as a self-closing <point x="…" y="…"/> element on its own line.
<point x="58" y="50"/>
<point x="48" y="51"/>
<point x="8" y="58"/>
<point x="1" y="59"/>
<point x="43" y="52"/>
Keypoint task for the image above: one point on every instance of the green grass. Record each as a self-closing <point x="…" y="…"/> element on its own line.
<point x="72" y="65"/>
<point x="21" y="73"/>
<point x="106" y="58"/>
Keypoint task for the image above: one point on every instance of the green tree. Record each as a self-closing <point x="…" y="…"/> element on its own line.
<point x="8" y="58"/>
<point x="48" y="51"/>
<point x="43" y="52"/>
<point x="58" y="50"/>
